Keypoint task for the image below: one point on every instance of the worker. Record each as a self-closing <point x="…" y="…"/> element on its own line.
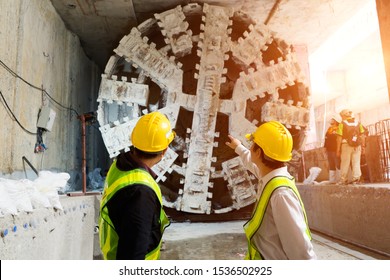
<point x="278" y="228"/>
<point x="132" y="220"/>
<point x="350" y="147"/>
<point x="330" y="145"/>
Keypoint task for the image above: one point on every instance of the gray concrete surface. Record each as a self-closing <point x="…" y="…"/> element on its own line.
<point x="48" y="234"/>
<point x="226" y="241"/>
<point x="359" y="214"/>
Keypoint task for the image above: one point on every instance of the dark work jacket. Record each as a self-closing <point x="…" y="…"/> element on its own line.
<point x="331" y="139"/>
<point x="135" y="212"/>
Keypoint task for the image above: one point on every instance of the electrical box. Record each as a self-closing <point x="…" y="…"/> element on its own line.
<point x="46" y="118"/>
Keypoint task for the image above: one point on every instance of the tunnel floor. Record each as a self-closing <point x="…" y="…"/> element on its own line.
<point x="226" y="241"/>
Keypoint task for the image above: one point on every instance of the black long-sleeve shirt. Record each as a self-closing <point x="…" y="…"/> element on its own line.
<point x="135" y="213"/>
<point x="331" y="139"/>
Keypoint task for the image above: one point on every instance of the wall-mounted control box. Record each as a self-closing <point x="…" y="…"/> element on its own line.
<point x="46" y="118"/>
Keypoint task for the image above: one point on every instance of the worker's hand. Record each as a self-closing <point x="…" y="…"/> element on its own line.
<point x="233" y="142"/>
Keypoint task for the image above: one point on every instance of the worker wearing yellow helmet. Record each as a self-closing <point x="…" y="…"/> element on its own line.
<point x="278" y="228"/>
<point x="132" y="219"/>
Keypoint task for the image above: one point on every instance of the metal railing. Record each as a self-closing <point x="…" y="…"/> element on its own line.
<point x="382" y="129"/>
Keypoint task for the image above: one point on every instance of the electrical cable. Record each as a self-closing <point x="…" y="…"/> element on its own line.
<point x="15" y="119"/>
<point x="38" y="88"/>
<point x="67" y="108"/>
<point x="39" y="145"/>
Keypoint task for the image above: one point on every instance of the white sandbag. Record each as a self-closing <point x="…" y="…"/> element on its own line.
<point x="313" y="174"/>
<point x="50" y="183"/>
<point x="38" y="199"/>
<point x="18" y="194"/>
<point x="7" y="206"/>
<point x="48" y="180"/>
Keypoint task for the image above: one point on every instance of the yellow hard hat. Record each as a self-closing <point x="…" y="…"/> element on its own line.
<point x="152" y="133"/>
<point x="275" y="140"/>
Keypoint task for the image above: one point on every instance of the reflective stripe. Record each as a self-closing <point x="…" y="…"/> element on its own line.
<point x="115" y="181"/>
<point x="254" y="223"/>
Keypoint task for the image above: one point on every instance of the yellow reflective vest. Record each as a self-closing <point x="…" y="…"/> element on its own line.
<point x="115" y="181"/>
<point x="256" y="220"/>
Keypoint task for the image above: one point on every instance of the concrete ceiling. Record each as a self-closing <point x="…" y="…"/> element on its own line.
<point x="100" y="24"/>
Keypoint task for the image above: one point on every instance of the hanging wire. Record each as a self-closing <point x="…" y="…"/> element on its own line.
<point x="12" y="114"/>
<point x="37" y="88"/>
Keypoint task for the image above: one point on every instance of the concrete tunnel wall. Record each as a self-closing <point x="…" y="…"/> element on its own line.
<point x="48" y="234"/>
<point x="36" y="45"/>
<point x="357" y="214"/>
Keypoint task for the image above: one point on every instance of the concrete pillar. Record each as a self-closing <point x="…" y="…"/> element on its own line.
<point x="383" y="10"/>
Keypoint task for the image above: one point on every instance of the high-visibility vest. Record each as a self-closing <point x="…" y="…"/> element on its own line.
<point x="115" y="181"/>
<point x="256" y="220"/>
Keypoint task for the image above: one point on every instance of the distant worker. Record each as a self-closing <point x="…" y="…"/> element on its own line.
<point x="350" y="147"/>
<point x="331" y="149"/>
<point x="132" y="220"/>
<point x="278" y="228"/>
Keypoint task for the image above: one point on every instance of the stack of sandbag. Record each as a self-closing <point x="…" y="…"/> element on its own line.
<point x="25" y="195"/>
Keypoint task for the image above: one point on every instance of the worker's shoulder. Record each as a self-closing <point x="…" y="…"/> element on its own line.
<point x="133" y="191"/>
<point x="283" y="193"/>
